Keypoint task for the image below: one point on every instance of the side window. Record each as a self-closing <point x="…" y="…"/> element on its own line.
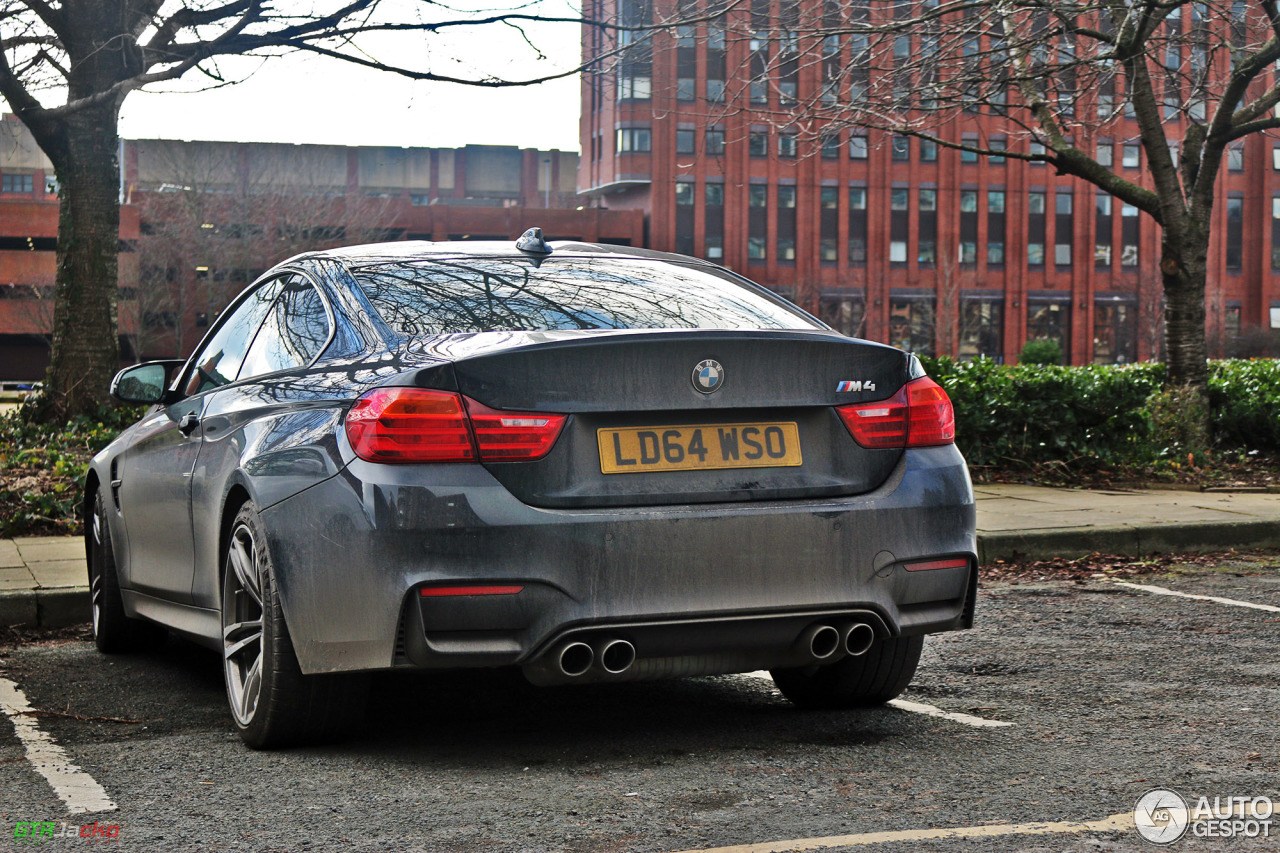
<point x="296" y="327"/>
<point x="218" y="361"/>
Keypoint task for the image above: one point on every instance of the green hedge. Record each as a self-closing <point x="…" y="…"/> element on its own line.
<point x="1244" y="403"/>
<point x="1099" y="416"/>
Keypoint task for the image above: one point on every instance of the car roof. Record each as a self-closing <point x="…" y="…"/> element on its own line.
<point x="407" y="251"/>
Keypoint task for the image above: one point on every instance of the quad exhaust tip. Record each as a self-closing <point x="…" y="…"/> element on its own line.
<point x="616" y="656"/>
<point x="575" y="659"/>
<point x="819" y="641"/>
<point x="858" y="639"/>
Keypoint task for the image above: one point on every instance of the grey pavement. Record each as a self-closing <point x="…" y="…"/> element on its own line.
<point x="43" y="581"/>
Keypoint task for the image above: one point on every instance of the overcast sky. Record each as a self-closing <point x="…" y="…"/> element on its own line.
<point x="311" y="99"/>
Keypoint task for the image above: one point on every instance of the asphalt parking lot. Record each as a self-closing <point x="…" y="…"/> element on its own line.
<point x="1108" y="691"/>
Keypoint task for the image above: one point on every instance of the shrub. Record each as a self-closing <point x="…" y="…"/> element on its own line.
<point x="1024" y="416"/>
<point x="1040" y="352"/>
<point x="42" y="467"/>
<point x="1244" y="404"/>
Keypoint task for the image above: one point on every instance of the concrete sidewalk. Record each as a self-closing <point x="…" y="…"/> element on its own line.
<point x="43" y="579"/>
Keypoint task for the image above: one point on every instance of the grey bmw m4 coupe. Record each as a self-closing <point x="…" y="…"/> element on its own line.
<point x="591" y="462"/>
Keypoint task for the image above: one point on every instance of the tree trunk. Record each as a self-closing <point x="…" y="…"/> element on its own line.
<point x="86" y="348"/>
<point x="1183" y="271"/>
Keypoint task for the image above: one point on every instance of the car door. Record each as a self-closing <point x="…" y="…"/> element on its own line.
<point x="268" y="388"/>
<point x="155" y="472"/>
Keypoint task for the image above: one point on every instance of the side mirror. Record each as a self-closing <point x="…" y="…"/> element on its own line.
<point x="143" y="383"/>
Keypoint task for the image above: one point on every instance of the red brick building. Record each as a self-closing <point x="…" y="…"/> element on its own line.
<point x="898" y="239"/>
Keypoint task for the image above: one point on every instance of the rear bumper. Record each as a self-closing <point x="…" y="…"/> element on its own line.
<point x="352" y="554"/>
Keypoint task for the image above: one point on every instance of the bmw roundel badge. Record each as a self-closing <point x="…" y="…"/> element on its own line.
<point x="708" y="376"/>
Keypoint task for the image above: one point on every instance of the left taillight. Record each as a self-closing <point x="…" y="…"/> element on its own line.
<point x="424" y="425"/>
<point x="919" y="415"/>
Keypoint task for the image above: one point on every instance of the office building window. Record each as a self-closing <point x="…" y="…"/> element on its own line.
<point x="900" y="148"/>
<point x="758" y="143"/>
<point x="1130" y="156"/>
<point x="968" y="248"/>
<point x="684" y="142"/>
<point x="857" y="225"/>
<point x="843" y="312"/>
<point x="713" y="220"/>
<point x="10" y="183"/>
<point x="981" y="327"/>
<point x="714" y="142"/>
<point x="1064" y="228"/>
<point x="831" y="146"/>
<point x="1235" y="158"/>
<point x="927" y="226"/>
<point x="1050" y="320"/>
<point x="1128" y="235"/>
<point x="911" y="323"/>
<point x="1102" y="230"/>
<point x="1035" y="228"/>
<point x="787" y="145"/>
<point x="1275" y="232"/>
<point x="1115" y="332"/>
<point x="1105" y="153"/>
<point x="1235" y="231"/>
<point x="995" y="228"/>
<point x="857" y="148"/>
<point x="684" y="217"/>
<point x="928" y="151"/>
<point x="634" y="140"/>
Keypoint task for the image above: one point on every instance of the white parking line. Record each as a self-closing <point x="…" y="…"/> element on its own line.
<point x="1114" y="823"/>
<point x="1159" y="590"/>
<point x="80" y="791"/>
<point x="953" y="716"/>
<point x="921" y="708"/>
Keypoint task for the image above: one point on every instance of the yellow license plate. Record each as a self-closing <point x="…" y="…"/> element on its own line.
<point x="629" y="450"/>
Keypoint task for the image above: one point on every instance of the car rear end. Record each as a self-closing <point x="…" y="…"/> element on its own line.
<point x="594" y="502"/>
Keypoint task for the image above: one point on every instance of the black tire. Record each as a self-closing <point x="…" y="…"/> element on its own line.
<point x="873" y="678"/>
<point x="113" y="631"/>
<point x="272" y="702"/>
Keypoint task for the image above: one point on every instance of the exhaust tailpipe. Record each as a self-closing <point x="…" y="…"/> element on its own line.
<point x="575" y="659"/>
<point x="858" y="638"/>
<point x="820" y="642"/>
<point x="616" y="656"/>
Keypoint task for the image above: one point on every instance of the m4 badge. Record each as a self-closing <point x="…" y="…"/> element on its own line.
<point x="846" y="385"/>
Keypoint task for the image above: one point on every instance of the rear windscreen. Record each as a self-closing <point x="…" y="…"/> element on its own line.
<point x="443" y="296"/>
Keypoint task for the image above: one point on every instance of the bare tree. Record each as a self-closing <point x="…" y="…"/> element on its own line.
<point x="1193" y="78"/>
<point x="66" y="66"/>
<point x="214" y="219"/>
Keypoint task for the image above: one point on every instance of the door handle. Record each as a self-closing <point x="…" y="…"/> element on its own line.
<point x="188" y="424"/>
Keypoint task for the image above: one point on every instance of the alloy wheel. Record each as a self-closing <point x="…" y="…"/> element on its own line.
<point x="242" y="625"/>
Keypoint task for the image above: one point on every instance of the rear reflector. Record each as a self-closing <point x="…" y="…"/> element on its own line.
<point x="425" y="425"/>
<point x="919" y="415"/>
<point x="957" y="563"/>
<point x="442" y="591"/>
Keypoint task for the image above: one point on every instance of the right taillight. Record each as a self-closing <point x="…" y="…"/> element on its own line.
<point x="919" y="415"/>
<point x="425" y="425"/>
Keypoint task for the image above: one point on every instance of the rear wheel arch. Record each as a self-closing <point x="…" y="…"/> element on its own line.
<point x="237" y="497"/>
